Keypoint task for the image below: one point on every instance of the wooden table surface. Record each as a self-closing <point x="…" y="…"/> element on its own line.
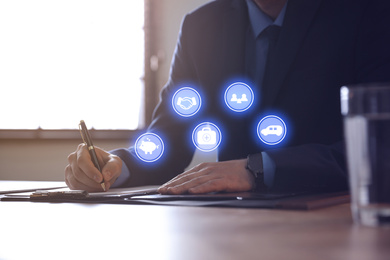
<point x="31" y="230"/>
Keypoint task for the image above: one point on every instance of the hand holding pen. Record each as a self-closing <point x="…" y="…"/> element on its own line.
<point x="84" y="172"/>
<point x="91" y="149"/>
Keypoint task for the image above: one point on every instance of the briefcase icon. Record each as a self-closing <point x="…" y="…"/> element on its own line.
<point x="207" y="136"/>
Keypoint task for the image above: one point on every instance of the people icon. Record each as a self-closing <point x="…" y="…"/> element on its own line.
<point x="239" y="97"/>
<point x="239" y="100"/>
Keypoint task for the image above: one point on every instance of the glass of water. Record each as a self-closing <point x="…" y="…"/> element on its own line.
<point x="366" y="111"/>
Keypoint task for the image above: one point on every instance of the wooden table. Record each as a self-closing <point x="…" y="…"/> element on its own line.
<point x="31" y="230"/>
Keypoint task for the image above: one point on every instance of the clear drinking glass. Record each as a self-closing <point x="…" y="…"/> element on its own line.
<point x="366" y="111"/>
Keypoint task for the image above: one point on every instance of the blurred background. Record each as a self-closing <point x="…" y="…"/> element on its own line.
<point x="103" y="61"/>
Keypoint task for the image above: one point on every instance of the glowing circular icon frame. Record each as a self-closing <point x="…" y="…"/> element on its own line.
<point x="239" y="97"/>
<point x="149" y="147"/>
<point x="271" y="130"/>
<point x="206" y="137"/>
<point x="186" y="101"/>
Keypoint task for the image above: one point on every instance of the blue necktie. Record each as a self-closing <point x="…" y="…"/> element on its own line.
<point x="272" y="33"/>
<point x="265" y="48"/>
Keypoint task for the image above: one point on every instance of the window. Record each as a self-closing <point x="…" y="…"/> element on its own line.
<point x="66" y="60"/>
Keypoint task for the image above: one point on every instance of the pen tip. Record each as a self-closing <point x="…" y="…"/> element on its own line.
<point x="103" y="186"/>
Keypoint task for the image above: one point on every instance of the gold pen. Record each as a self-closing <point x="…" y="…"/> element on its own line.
<point x="91" y="149"/>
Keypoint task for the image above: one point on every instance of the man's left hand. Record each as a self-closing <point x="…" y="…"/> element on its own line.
<point x="228" y="176"/>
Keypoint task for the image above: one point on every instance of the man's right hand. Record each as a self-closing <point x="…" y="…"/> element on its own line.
<point x="81" y="174"/>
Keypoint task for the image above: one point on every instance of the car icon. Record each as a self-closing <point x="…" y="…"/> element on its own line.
<point x="272" y="130"/>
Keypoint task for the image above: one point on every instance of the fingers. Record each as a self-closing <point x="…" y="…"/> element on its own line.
<point x="111" y="170"/>
<point x="191" y="185"/>
<point x="214" y="185"/>
<point x="192" y="174"/>
<point x="200" y="187"/>
<point x="228" y="176"/>
<point x="82" y="174"/>
<point x="82" y="184"/>
<point x="84" y="163"/>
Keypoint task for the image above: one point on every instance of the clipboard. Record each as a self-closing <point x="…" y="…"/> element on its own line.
<point x="80" y="196"/>
<point x="148" y="195"/>
<point x="289" y="200"/>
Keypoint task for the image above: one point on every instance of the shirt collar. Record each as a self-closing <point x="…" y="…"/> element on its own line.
<point x="259" y="20"/>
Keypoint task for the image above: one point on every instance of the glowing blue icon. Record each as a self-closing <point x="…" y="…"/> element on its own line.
<point x="149" y="147"/>
<point x="239" y="97"/>
<point x="206" y="137"/>
<point x="271" y="130"/>
<point x="186" y="102"/>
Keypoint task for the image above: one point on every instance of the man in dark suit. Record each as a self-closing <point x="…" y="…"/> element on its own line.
<point x="295" y="71"/>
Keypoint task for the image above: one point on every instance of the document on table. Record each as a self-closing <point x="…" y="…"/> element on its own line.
<point x="148" y="195"/>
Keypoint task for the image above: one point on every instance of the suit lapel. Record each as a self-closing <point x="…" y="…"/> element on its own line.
<point x="290" y="40"/>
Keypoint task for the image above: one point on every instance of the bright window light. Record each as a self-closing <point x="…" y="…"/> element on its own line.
<point x="66" y="60"/>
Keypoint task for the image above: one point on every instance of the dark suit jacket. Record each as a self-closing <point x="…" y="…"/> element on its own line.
<point x="323" y="45"/>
